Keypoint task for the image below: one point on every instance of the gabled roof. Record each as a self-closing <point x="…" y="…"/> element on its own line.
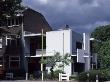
<point x="35" y="21"/>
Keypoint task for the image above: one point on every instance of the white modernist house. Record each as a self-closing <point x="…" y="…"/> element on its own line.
<point x="75" y="44"/>
<point x="62" y="41"/>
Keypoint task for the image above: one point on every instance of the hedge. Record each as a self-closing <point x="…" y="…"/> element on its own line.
<point x="103" y="75"/>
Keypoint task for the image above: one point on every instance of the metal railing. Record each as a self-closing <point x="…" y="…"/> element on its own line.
<point x="39" y="51"/>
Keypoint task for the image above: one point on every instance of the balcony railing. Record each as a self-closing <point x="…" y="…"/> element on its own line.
<point x="40" y="52"/>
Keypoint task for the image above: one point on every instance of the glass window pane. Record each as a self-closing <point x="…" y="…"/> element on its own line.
<point x="14" y="64"/>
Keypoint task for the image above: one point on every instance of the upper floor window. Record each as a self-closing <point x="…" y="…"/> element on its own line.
<point x="14" y="21"/>
<point x="0" y="42"/>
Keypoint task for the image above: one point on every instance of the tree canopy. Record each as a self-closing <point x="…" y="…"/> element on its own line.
<point x="3" y="32"/>
<point x="101" y="33"/>
<point x="104" y="55"/>
<point x="102" y="45"/>
<point x="8" y="8"/>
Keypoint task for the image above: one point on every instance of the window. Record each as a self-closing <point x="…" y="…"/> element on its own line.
<point x="9" y="23"/>
<point x="0" y="42"/>
<point x="9" y="42"/>
<point x="1" y="61"/>
<point x="20" y="20"/>
<point x="78" y="45"/>
<point x="14" y="62"/>
<point x="17" y="21"/>
<point x="14" y="22"/>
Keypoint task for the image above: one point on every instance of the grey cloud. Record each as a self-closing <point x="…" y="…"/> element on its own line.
<point x="80" y="14"/>
<point x="85" y="1"/>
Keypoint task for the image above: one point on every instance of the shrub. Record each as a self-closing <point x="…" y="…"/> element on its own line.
<point x="56" y="73"/>
<point x="82" y="76"/>
<point x="31" y="77"/>
<point x="73" y="77"/>
<point x="91" y="75"/>
<point x="53" y="76"/>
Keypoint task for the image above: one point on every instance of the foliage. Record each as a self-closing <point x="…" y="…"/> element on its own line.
<point x="31" y="77"/>
<point x="56" y="73"/>
<point x="3" y="32"/>
<point x="53" y="61"/>
<point x="47" y="76"/>
<point x="104" y="55"/>
<point x="102" y="45"/>
<point x="65" y="60"/>
<point x="91" y="75"/>
<point x="73" y="77"/>
<point x="96" y="46"/>
<point x="101" y="33"/>
<point x="8" y="8"/>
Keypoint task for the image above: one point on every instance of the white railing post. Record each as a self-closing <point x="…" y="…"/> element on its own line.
<point x="59" y="77"/>
<point x="63" y="77"/>
<point x="97" y="78"/>
<point x="67" y="77"/>
<point x="26" y="76"/>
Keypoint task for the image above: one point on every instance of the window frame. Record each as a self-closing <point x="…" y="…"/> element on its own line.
<point x="11" y="60"/>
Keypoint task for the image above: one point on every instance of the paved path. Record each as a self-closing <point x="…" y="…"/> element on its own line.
<point x="29" y="81"/>
<point x="25" y="81"/>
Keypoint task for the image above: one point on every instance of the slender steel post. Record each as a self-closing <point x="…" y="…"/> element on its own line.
<point x="63" y="43"/>
<point x="63" y="48"/>
<point x="42" y="58"/>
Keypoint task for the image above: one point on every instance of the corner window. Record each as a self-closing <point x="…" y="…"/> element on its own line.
<point x="78" y="45"/>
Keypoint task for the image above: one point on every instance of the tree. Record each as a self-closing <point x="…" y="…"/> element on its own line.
<point x="101" y="33"/>
<point x="104" y="55"/>
<point x="102" y="45"/>
<point x="57" y="58"/>
<point x="8" y="8"/>
<point x="65" y="60"/>
<point x="3" y="32"/>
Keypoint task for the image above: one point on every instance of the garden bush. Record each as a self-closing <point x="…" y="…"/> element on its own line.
<point x="91" y="75"/>
<point x="73" y="77"/>
<point x="56" y="73"/>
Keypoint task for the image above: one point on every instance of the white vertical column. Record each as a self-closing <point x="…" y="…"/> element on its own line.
<point x="86" y="47"/>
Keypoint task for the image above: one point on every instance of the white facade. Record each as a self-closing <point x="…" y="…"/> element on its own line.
<point x="86" y="42"/>
<point x="59" y="41"/>
<point x="65" y="41"/>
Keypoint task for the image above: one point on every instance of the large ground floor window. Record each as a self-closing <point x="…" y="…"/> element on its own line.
<point x="1" y="60"/>
<point x="14" y="62"/>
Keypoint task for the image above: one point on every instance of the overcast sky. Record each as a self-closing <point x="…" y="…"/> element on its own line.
<point x="80" y="15"/>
